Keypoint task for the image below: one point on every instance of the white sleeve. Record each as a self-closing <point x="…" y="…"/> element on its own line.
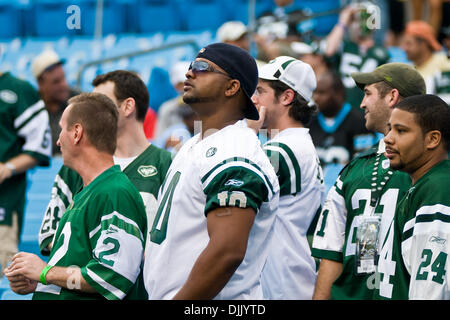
<point x="34" y="126"/>
<point x="426" y="253"/>
<point x="329" y="236"/>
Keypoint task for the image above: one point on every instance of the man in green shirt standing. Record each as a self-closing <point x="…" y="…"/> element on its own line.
<point x="414" y="261"/>
<point x="99" y="243"/>
<point x="143" y="163"/>
<point x="25" y="141"/>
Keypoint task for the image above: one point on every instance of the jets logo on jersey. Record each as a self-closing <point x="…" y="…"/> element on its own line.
<point x="147" y="171"/>
<point x="211" y="151"/>
<point x="8" y="96"/>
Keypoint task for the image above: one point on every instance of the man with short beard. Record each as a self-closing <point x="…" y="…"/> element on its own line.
<point x="417" y="245"/>
<point x="212" y="230"/>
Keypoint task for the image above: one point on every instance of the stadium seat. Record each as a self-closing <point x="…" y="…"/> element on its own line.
<point x="203" y="14"/>
<point x="156" y="15"/>
<point x="160" y="88"/>
<point x="82" y="50"/>
<point x="56" y="12"/>
<point x="114" y="17"/>
<point x="10" y="295"/>
<point x="10" y="19"/>
<point x="202" y="38"/>
<point x="4" y="284"/>
<point x="238" y="9"/>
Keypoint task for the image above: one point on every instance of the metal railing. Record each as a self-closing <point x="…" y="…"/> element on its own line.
<point x="173" y="45"/>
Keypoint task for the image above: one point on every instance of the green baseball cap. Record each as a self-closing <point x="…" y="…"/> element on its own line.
<point x="401" y="76"/>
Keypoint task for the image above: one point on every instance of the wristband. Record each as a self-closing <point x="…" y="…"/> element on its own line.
<point x="342" y="25"/>
<point x="44" y="273"/>
<point x="11" y="167"/>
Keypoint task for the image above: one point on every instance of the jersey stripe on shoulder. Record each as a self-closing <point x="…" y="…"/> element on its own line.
<point x="437" y="213"/>
<point x="236" y="162"/>
<point x="290" y="160"/>
<point x="29" y="114"/>
<point x="120" y="221"/>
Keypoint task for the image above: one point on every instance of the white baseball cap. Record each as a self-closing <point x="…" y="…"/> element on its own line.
<point x="178" y="72"/>
<point x="231" y="31"/>
<point x="298" y="75"/>
<point x="45" y="60"/>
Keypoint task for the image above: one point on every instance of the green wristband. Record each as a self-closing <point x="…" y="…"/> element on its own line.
<point x="44" y="273"/>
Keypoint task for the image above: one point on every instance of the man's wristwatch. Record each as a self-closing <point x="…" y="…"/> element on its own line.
<point x="11" y="167"/>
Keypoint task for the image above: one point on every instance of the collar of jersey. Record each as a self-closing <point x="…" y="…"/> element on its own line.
<point x="340" y="117"/>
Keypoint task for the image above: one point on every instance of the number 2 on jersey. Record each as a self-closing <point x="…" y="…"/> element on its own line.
<point x="159" y="228"/>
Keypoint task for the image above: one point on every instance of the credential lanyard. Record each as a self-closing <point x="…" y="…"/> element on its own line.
<point x="378" y="182"/>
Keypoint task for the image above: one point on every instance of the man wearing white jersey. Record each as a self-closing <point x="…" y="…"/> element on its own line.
<point x="284" y="91"/>
<point x="217" y="204"/>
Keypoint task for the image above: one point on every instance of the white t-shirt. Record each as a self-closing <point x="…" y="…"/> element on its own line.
<point x="290" y="270"/>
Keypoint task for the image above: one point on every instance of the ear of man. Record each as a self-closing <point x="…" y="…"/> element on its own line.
<point x="233" y="88"/>
<point x="286" y="97"/>
<point x="129" y="106"/>
<point x="78" y="132"/>
<point x="433" y="139"/>
<point x="393" y="97"/>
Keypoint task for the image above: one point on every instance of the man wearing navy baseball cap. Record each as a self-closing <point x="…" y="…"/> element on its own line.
<point x="211" y="233"/>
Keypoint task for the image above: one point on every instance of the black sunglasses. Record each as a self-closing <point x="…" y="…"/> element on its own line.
<point x="203" y="66"/>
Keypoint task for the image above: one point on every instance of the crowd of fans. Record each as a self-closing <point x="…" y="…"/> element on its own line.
<point x="37" y="127"/>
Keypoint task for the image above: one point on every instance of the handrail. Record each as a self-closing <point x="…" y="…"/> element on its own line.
<point x="192" y="43"/>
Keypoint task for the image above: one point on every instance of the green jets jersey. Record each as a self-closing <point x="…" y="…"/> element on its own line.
<point x="103" y="234"/>
<point x="335" y="236"/>
<point x="414" y="261"/>
<point x="24" y="128"/>
<point x="146" y="172"/>
<point x="352" y="59"/>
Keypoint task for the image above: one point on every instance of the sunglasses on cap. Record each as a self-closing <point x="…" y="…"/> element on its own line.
<point x="202" y="67"/>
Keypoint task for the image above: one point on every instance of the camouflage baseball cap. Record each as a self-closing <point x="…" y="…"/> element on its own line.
<point x="401" y="76"/>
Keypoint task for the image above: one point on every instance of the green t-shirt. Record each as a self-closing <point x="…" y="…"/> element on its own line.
<point x="103" y="233"/>
<point x="146" y="172"/>
<point x="24" y="128"/>
<point x="414" y="261"/>
<point x="335" y="236"/>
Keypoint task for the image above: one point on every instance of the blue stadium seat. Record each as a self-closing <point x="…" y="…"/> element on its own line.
<point x="156" y="15"/>
<point x="238" y="9"/>
<point x="160" y="88"/>
<point x="203" y="14"/>
<point x="11" y="18"/>
<point x="82" y="50"/>
<point x="10" y="295"/>
<point x="4" y="284"/>
<point x="114" y="17"/>
<point x="50" y="18"/>
<point x="202" y="38"/>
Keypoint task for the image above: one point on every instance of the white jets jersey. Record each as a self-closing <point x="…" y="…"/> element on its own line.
<point x="227" y="168"/>
<point x="290" y="270"/>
